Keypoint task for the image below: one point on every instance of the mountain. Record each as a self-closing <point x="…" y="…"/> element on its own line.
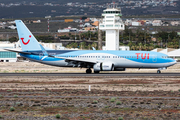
<point x="50" y="1"/>
<point x="42" y="8"/>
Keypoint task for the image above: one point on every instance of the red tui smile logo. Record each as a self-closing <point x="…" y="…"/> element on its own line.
<point x="25" y="43"/>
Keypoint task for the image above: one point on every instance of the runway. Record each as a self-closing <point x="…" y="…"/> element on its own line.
<point x="90" y="75"/>
<point x="95" y="97"/>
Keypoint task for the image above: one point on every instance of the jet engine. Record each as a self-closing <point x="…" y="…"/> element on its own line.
<point x="105" y="66"/>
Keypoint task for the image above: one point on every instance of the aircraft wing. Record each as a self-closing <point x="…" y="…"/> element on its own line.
<point x="76" y="60"/>
<point x="18" y="51"/>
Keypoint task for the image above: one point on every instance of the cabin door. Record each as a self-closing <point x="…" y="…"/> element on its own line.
<point x="154" y="58"/>
<point x="40" y="56"/>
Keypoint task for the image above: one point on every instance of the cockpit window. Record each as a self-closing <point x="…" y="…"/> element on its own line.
<point x="165" y="57"/>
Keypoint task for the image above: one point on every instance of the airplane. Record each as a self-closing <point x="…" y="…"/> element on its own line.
<point x="99" y="60"/>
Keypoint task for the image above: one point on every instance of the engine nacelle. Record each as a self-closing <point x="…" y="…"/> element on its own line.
<point x="105" y="66"/>
<point x="119" y="69"/>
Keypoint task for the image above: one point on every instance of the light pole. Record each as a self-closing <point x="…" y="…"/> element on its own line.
<point x="179" y="43"/>
<point x="75" y="36"/>
<point x="178" y="34"/>
<point x="89" y="35"/>
<point x="166" y="41"/>
<point x="145" y="35"/>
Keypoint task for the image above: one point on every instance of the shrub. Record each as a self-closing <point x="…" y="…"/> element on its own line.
<point x="12" y="109"/>
<point x="179" y="90"/>
<point x="1" y="96"/>
<point x="120" y="118"/>
<point x="58" y="116"/>
<point x="18" y="103"/>
<point x="118" y="103"/>
<point x="106" y="106"/>
<point x="1" y="116"/>
<point x="9" y="90"/>
<point x="95" y="102"/>
<point x="15" y="96"/>
<point x="112" y="99"/>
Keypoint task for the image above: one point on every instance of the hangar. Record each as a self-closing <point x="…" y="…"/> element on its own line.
<point x="174" y="53"/>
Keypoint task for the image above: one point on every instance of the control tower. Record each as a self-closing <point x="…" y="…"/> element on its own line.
<point x="112" y="24"/>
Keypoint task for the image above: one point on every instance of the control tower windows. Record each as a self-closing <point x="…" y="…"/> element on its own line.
<point x="109" y="16"/>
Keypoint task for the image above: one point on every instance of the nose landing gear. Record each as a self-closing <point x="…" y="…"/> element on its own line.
<point x="158" y="71"/>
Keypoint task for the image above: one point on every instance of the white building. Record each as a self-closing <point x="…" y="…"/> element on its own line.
<point x="52" y="46"/>
<point x="12" y="27"/>
<point x="136" y="24"/>
<point x="175" y="23"/>
<point x="157" y="23"/>
<point x="148" y="22"/>
<point x="123" y="48"/>
<point x="128" y="22"/>
<point x="174" y="53"/>
<point x="7" y="56"/>
<point x="112" y="24"/>
<point x="69" y="29"/>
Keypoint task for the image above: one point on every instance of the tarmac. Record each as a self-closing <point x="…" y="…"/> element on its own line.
<point x="92" y="75"/>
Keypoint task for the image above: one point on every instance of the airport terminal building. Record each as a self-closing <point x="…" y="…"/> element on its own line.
<point x="7" y="56"/>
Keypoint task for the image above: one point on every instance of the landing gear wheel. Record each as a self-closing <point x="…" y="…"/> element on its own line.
<point x="96" y="71"/>
<point x="88" y="71"/>
<point x="158" y="71"/>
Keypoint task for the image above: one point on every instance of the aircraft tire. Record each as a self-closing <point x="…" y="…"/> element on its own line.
<point x="159" y="72"/>
<point x="88" y="71"/>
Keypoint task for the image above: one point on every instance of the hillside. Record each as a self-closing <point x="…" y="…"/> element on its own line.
<point x="42" y="8"/>
<point x="52" y="1"/>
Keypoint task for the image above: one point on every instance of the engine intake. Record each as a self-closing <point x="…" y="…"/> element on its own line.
<point x="106" y="66"/>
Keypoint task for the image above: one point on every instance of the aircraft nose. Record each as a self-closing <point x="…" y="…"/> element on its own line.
<point x="174" y="61"/>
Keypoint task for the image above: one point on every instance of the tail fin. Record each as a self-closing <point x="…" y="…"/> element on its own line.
<point x="27" y="40"/>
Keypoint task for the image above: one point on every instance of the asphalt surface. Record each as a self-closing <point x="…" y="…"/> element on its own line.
<point x="84" y="74"/>
<point x="94" y="97"/>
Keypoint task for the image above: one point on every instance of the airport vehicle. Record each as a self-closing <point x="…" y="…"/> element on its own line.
<point x="99" y="60"/>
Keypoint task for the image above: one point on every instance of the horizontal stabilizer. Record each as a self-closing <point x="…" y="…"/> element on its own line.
<point x="43" y="50"/>
<point x="18" y="51"/>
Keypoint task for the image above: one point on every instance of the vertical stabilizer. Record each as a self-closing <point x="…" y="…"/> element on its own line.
<point x="27" y="39"/>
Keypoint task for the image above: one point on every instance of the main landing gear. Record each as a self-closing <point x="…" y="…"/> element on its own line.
<point x="158" y="71"/>
<point x="89" y="71"/>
